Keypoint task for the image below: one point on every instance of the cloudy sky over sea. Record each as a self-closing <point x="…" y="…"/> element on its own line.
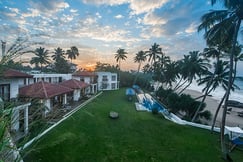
<point x="99" y="27"/>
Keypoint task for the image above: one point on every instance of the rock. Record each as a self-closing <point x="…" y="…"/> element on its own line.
<point x="113" y="115"/>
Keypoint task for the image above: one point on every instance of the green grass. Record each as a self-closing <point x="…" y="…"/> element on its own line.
<point x="90" y="135"/>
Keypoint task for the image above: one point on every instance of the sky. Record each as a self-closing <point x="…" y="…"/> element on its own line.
<point x="98" y="28"/>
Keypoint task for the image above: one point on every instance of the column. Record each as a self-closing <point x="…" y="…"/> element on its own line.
<point x="26" y="119"/>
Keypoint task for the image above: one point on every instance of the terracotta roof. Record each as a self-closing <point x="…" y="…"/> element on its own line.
<point x="74" y="84"/>
<point x="84" y="73"/>
<point x="11" y="73"/>
<point x="43" y="90"/>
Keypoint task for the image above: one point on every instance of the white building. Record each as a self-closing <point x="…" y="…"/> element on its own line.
<point x="107" y="81"/>
<point x="50" y="78"/>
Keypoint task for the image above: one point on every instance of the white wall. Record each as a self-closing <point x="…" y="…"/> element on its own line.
<point x="52" y="78"/>
<point x="109" y="82"/>
<point x="76" y="94"/>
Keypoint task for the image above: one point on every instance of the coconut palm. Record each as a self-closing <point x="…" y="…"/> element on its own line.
<point x="193" y="66"/>
<point x="139" y="58"/>
<point x="120" y="55"/>
<point x="211" y="52"/>
<point x="41" y="58"/>
<point x="58" y="54"/>
<point x="171" y="73"/>
<point x="72" y="53"/>
<point x="238" y="56"/>
<point x="153" y="54"/>
<point x="224" y="25"/>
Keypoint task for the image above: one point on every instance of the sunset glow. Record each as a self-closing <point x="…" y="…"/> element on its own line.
<point x="99" y="27"/>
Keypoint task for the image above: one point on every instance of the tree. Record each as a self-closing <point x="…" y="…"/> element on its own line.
<point x="153" y="53"/>
<point x="139" y="58"/>
<point x="211" y="52"/>
<point x="224" y="25"/>
<point x="18" y="48"/>
<point x="58" y="54"/>
<point x="106" y="67"/>
<point x="120" y="55"/>
<point x="62" y="66"/>
<point x="193" y="66"/>
<point x="72" y="53"/>
<point x="41" y="58"/>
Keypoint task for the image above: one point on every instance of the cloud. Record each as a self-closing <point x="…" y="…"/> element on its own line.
<point x="73" y="10"/>
<point x="98" y="15"/>
<point x="105" y="2"/>
<point x="47" y="7"/>
<point x="119" y="16"/>
<point x="152" y="19"/>
<point x="144" y="6"/>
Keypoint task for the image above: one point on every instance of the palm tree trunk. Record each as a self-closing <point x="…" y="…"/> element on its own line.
<point x="177" y="85"/>
<point x="185" y="87"/>
<point x="216" y="112"/>
<point x="204" y="97"/>
<point x="136" y="77"/>
<point x="223" y="146"/>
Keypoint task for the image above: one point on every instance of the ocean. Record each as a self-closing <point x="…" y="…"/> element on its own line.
<point x="236" y="95"/>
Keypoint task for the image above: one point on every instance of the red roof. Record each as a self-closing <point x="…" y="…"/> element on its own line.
<point x="84" y="73"/>
<point x="74" y="84"/>
<point x="43" y="90"/>
<point x="10" y="73"/>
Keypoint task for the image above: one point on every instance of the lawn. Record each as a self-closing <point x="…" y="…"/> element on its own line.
<point x="90" y="135"/>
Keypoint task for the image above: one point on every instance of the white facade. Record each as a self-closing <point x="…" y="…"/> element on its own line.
<point x="107" y="81"/>
<point x="10" y="87"/>
<point x="50" y="78"/>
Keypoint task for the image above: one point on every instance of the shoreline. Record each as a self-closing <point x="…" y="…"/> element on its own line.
<point x="232" y="118"/>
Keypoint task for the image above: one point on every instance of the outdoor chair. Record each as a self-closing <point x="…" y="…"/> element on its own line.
<point x="235" y="137"/>
<point x="236" y="142"/>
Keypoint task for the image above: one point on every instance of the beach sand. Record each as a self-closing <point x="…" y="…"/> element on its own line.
<point x="232" y="119"/>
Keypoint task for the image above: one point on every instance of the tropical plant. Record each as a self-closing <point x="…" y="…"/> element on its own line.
<point x="62" y="66"/>
<point x="41" y="58"/>
<point x="120" y="55"/>
<point x="106" y="67"/>
<point x="224" y="25"/>
<point x="153" y="54"/>
<point x="211" y="52"/>
<point x="72" y="53"/>
<point x="192" y="67"/>
<point x="139" y="58"/>
<point x="58" y="54"/>
<point x="18" y="48"/>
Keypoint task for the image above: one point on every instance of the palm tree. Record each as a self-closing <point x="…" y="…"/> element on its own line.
<point x="224" y="25"/>
<point x="213" y="52"/>
<point x="58" y="54"/>
<point x="41" y="58"/>
<point x="120" y="55"/>
<point x="171" y="73"/>
<point x="193" y="66"/>
<point x="238" y="56"/>
<point x="140" y="57"/>
<point x="72" y="53"/>
<point x="154" y="53"/>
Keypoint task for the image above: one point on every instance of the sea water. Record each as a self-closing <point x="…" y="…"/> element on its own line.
<point x="218" y="93"/>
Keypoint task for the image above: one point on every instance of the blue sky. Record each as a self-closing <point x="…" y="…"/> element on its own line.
<point x="99" y="27"/>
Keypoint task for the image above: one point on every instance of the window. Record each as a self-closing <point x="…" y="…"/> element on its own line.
<point x="104" y="78"/>
<point x="5" y="92"/>
<point x="113" y="85"/>
<point x="104" y="86"/>
<point x="113" y="77"/>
